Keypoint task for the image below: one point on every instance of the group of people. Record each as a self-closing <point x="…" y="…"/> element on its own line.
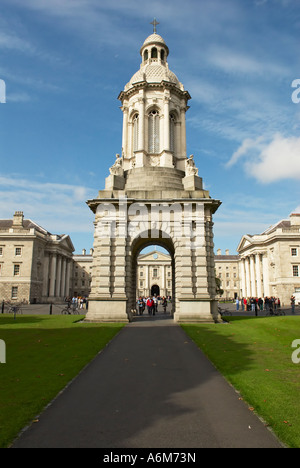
<point x="151" y="303"/>
<point x="77" y="302"/>
<point x="255" y="304"/>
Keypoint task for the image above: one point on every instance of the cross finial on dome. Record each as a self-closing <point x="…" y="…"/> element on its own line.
<point x="155" y="23"/>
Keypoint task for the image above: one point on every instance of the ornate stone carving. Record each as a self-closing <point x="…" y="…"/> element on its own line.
<point x="190" y="168"/>
<point x="154" y="160"/>
<point x="117" y="168"/>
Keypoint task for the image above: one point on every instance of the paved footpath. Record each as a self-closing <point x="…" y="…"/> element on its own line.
<point x="151" y="387"/>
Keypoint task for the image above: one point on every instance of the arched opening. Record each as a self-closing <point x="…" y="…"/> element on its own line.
<point x="135" y="132"/>
<point x="154" y="53"/>
<point x="153" y="132"/>
<point x="153" y="272"/>
<point x="155" y="290"/>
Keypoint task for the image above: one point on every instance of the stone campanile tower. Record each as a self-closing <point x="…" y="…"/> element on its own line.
<point x="153" y="195"/>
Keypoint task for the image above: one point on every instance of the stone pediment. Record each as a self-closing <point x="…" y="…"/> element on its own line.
<point x="245" y="242"/>
<point x="154" y="256"/>
<point x="64" y="242"/>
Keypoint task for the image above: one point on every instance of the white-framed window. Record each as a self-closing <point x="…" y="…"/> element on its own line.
<point x="294" y="252"/>
<point x="153" y="131"/>
<point x="16" y="270"/>
<point x="295" y="270"/>
<point x="18" y="251"/>
<point x="14" y="292"/>
<point x="1" y="251"/>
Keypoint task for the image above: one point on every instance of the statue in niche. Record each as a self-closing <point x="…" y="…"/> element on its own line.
<point x="190" y="168"/>
<point x="117" y="168"/>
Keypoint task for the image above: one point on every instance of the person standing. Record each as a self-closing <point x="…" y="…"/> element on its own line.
<point x="155" y="304"/>
<point x="150" y="305"/>
<point x="140" y="304"/>
<point x="293" y="304"/>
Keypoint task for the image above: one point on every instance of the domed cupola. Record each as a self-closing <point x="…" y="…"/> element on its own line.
<point x="154" y="67"/>
<point x="154" y="103"/>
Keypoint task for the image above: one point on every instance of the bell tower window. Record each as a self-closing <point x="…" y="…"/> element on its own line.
<point x="154" y="53"/>
<point x="146" y="55"/>
<point x="135" y="121"/>
<point x="153" y="131"/>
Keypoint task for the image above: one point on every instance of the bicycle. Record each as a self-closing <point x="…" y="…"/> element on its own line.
<point x="224" y="312"/>
<point x="69" y="310"/>
<point x="275" y="313"/>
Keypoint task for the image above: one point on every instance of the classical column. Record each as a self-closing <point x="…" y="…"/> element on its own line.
<point x="46" y="275"/>
<point x="252" y="276"/>
<point x="163" y="279"/>
<point x="141" y="142"/>
<point x="166" y="123"/>
<point x="243" y="278"/>
<point x="52" y="275"/>
<point x="63" y="277"/>
<point x="58" y="277"/>
<point x="147" y="286"/>
<point x="248" y="284"/>
<point x="68" y="277"/>
<point x="258" y="275"/>
<point x="125" y="131"/>
<point x="266" y="280"/>
<point x="183" y="131"/>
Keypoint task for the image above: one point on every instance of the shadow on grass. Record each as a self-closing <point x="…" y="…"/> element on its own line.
<point x="219" y="344"/>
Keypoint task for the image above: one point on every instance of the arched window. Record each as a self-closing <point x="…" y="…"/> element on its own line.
<point x="135" y="122"/>
<point x="154" y="52"/>
<point x="172" y="132"/>
<point x="162" y="55"/>
<point x="146" y="55"/>
<point x="153" y="131"/>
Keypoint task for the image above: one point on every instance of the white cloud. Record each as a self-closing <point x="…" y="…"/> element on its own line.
<point x="59" y="208"/>
<point x="270" y="161"/>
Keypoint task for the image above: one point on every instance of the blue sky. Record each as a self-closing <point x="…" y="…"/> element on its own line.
<point x="64" y="63"/>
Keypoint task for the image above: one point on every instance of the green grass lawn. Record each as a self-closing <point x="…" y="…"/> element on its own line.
<point x="43" y="353"/>
<point x="255" y="356"/>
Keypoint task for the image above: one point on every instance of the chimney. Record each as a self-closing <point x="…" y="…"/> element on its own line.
<point x="91" y="251"/>
<point x="227" y="252"/>
<point x="83" y="251"/>
<point x="18" y="219"/>
<point x="295" y="219"/>
<point x="219" y="252"/>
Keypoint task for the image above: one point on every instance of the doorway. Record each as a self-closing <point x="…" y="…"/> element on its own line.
<point x="155" y="290"/>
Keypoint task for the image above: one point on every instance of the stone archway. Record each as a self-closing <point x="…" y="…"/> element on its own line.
<point x="153" y="195"/>
<point x="140" y="243"/>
